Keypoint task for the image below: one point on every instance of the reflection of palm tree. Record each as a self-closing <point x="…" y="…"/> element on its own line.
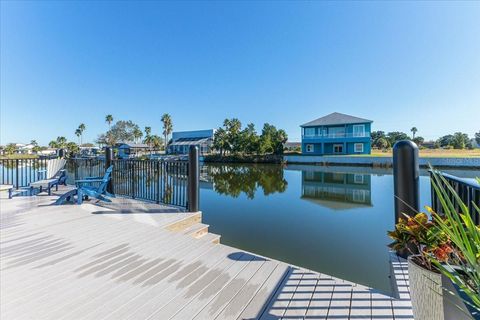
<point x="234" y="180"/>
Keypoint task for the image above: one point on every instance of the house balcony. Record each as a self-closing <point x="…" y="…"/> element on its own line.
<point x="337" y="138"/>
<point x="337" y="135"/>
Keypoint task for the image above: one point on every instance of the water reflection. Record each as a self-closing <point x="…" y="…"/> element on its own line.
<point x="233" y="180"/>
<point x="337" y="190"/>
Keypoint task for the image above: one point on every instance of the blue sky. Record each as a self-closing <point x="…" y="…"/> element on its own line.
<point x="286" y="63"/>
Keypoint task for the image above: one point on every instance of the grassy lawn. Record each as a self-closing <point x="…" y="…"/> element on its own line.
<point x="435" y="153"/>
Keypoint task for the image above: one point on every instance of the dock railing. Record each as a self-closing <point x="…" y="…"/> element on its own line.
<point x="160" y="181"/>
<point x="467" y="189"/>
<point x="21" y="172"/>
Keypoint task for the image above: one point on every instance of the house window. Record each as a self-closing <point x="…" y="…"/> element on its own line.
<point x="359" y="130"/>
<point x="358" y="147"/>
<point x="359" y="196"/>
<point x="358" y="178"/>
<point x="309" y="147"/>
<point x="338" y="148"/>
<point x="335" y="132"/>
<point x="309" y="132"/>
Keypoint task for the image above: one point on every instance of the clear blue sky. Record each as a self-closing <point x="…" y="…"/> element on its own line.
<point x="286" y="63"/>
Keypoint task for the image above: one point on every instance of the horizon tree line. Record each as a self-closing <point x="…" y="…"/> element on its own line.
<point x="457" y="140"/>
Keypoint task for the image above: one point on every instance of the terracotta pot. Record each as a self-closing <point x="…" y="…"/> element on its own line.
<point x="433" y="296"/>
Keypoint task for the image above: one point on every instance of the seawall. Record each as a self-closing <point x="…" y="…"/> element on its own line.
<point x="473" y="163"/>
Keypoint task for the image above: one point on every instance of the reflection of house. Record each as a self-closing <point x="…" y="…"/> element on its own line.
<point x="181" y="141"/>
<point x="336" y="133"/>
<point x="337" y="191"/>
<point x="131" y="149"/>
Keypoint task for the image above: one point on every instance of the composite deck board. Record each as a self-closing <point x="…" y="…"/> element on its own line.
<point x="152" y="298"/>
<point x="101" y="305"/>
<point x="225" y="295"/>
<point x="119" y="261"/>
<point x="258" y="304"/>
<point x="243" y="297"/>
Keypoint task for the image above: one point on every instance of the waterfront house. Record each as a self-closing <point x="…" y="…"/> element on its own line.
<point x="336" y="134"/>
<point x="24" y="148"/>
<point x="182" y="140"/>
<point x="127" y="150"/>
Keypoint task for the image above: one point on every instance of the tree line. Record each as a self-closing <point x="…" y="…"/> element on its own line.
<point x="231" y="138"/>
<point x="120" y="131"/>
<point x="458" y="140"/>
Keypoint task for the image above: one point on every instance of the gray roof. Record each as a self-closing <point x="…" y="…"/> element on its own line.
<point x="335" y="118"/>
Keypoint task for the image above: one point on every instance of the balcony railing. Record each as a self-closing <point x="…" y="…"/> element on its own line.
<point x="338" y="135"/>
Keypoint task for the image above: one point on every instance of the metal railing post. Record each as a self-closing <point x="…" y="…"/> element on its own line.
<point x="16" y="173"/>
<point x="193" y="180"/>
<point x="405" y="178"/>
<point x="108" y="163"/>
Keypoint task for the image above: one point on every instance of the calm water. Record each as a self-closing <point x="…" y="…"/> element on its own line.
<point x="332" y="220"/>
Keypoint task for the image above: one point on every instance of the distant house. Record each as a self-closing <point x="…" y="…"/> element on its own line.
<point x="292" y="146"/>
<point x="130" y="149"/>
<point x="182" y="140"/>
<point x="24" y="148"/>
<point x="336" y="134"/>
<point x="428" y="144"/>
<point x="89" y="151"/>
<point x="47" y="152"/>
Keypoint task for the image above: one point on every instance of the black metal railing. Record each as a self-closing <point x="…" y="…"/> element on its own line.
<point x="467" y="189"/>
<point x="21" y="172"/>
<point x="160" y="181"/>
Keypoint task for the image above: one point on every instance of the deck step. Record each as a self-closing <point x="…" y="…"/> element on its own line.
<point x="185" y="223"/>
<point x="211" y="237"/>
<point x="197" y="230"/>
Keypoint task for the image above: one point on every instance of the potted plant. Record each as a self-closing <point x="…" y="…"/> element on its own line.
<point x="444" y="258"/>
<point x="421" y="239"/>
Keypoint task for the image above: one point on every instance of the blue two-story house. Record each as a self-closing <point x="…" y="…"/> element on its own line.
<point x="336" y="134"/>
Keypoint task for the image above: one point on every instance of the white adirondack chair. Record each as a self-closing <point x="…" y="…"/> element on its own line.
<point x="53" y="176"/>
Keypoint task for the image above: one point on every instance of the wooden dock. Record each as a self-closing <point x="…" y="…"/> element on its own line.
<point x="135" y="260"/>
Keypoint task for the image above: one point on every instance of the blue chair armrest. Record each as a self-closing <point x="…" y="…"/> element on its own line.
<point x="93" y="178"/>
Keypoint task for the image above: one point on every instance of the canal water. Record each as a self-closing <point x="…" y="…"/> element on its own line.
<point x="329" y="219"/>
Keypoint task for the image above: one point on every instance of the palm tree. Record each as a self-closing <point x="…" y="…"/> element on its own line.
<point x="109" y="120"/>
<point x="148" y="130"/>
<point x="82" y="128"/>
<point x="34" y="143"/>
<point x="137" y="134"/>
<point x="78" y="133"/>
<point x="167" y="127"/>
<point x="53" y="144"/>
<point x="61" y="142"/>
<point x="414" y="130"/>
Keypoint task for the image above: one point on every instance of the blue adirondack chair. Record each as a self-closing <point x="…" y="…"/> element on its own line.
<point x="94" y="187"/>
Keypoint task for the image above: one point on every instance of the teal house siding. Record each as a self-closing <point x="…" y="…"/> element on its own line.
<point x="336" y="134"/>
